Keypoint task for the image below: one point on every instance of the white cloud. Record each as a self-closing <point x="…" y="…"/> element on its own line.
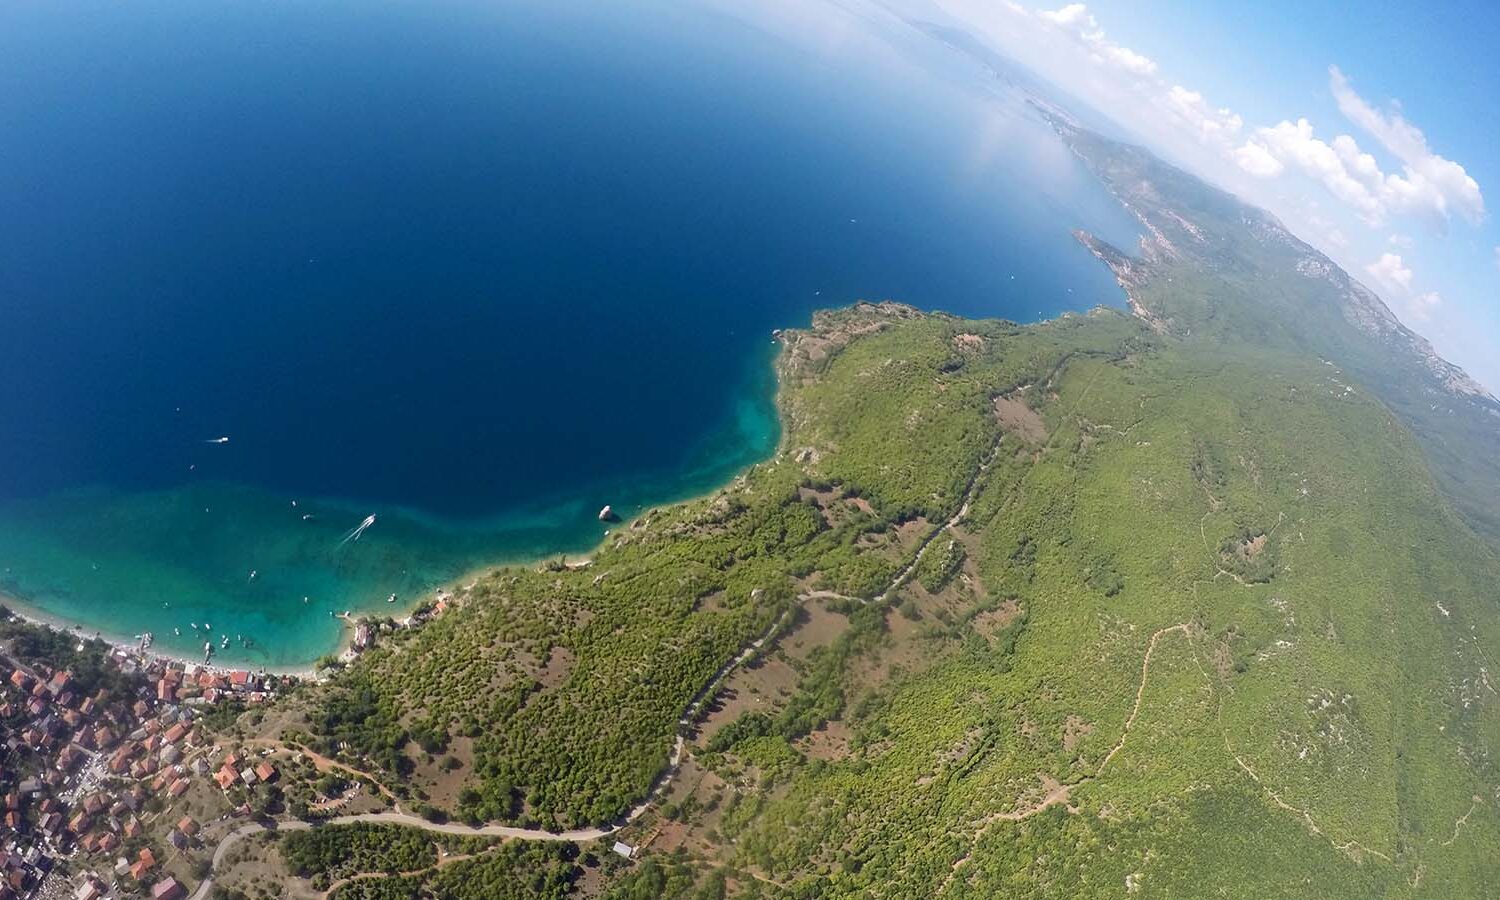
<point x="1074" y="16"/>
<point x="1295" y="145"/>
<point x="1359" y="163"/>
<point x="1213" y="127"/>
<point x="1076" y="20"/>
<point x="1424" y="184"/>
<point x="1285" y="167"/>
<point x="1430" y="181"/>
<point x="1395" y="276"/>
<point x="1255" y="158"/>
<point x="1427" y="185"/>
<point x="1354" y="176"/>
<point x="1391" y="272"/>
<point x="1422" y="305"/>
<point x="1129" y="60"/>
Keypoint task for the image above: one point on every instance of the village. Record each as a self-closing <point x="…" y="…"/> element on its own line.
<point x="98" y="772"/>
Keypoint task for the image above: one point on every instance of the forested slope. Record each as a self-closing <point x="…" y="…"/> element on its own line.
<point x="1192" y="602"/>
<point x="1191" y="620"/>
<point x="1224" y="272"/>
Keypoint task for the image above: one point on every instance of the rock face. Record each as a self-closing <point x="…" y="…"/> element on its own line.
<point x="607" y="514"/>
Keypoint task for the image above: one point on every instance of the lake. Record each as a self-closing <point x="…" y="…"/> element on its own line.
<point x="476" y="269"/>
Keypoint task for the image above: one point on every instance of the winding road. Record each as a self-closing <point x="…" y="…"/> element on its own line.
<point x="663" y="780"/>
<point x="509" y="832"/>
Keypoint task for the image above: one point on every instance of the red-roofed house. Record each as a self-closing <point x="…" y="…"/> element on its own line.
<point x="168" y="889"/>
<point x="69" y="757"/>
<point x="91" y="889"/>
<point x="143" y="864"/>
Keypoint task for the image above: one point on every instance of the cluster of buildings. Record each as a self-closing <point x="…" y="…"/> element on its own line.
<point x="367" y="631"/>
<point x="93" y="888"/>
<point x="87" y="775"/>
<point x="237" y="768"/>
<point x="194" y="685"/>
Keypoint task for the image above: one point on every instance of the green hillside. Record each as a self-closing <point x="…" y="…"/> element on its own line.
<point x="1189" y="603"/>
<point x="1220" y="271"/>
<point x="1316" y="715"/>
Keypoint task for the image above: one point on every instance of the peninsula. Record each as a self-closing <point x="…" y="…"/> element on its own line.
<point x="1191" y="600"/>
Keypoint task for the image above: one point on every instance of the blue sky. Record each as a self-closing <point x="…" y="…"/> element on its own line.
<point x="1369" y="130"/>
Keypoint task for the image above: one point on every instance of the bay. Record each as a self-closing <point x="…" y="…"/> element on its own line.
<point x="476" y="269"/>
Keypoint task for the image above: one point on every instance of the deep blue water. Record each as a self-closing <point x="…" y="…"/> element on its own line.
<point x="475" y="267"/>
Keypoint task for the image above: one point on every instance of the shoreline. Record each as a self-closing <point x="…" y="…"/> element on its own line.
<point x="32" y="614"/>
<point x="451" y="590"/>
<point x="344" y="650"/>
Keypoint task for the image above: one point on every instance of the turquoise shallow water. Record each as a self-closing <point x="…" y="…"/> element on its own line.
<point x="474" y="268"/>
<point x="124" y="562"/>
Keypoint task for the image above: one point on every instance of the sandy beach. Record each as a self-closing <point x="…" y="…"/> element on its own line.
<point x="132" y="645"/>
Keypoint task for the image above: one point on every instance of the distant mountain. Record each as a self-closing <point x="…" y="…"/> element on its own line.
<point x="1216" y="267"/>
<point x="1009" y="73"/>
